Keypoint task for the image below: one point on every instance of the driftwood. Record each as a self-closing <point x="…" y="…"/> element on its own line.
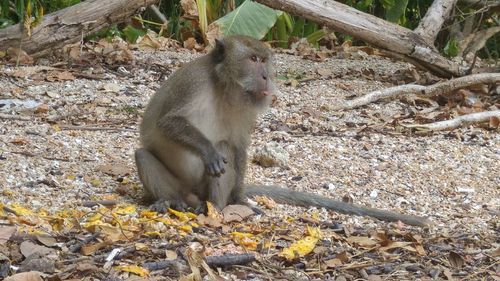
<point x="70" y="25"/>
<point x="431" y="90"/>
<point x="479" y="117"/>
<point x="376" y="31"/>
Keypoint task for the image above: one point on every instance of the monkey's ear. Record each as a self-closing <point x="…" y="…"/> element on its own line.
<point x="218" y="51"/>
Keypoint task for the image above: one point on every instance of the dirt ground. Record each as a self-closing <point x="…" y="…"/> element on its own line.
<point x="53" y="157"/>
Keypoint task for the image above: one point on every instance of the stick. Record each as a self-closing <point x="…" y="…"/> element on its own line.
<point x="87" y="128"/>
<point x="458" y="121"/>
<point x="106" y="203"/>
<point x="230" y="259"/>
<point x="431" y="90"/>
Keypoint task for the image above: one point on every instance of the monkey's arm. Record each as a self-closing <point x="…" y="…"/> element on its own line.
<point x="178" y="129"/>
<point x="291" y="197"/>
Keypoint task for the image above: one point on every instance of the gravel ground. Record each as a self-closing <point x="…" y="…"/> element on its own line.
<point x="451" y="177"/>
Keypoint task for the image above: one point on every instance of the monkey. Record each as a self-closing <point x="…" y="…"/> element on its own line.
<point x="197" y="127"/>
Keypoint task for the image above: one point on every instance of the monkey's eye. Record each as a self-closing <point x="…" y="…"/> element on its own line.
<point x="253" y="58"/>
<point x="264" y="60"/>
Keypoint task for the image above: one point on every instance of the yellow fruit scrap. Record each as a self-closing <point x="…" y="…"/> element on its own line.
<point x="137" y="270"/>
<point x="20" y="210"/>
<point x="180" y="215"/>
<point x="303" y="246"/>
<point x="125" y="209"/>
<point x="246" y="240"/>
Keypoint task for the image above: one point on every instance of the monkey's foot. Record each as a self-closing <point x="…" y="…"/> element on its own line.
<point x="162" y="206"/>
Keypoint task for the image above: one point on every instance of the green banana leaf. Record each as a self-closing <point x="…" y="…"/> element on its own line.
<point x="250" y="18"/>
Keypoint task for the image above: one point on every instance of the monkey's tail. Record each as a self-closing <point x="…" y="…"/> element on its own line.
<point x="304" y="199"/>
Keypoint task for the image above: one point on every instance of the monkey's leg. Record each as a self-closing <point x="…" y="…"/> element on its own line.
<point x="221" y="188"/>
<point x="159" y="182"/>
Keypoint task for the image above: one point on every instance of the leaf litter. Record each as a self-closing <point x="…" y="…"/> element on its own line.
<point x="56" y="163"/>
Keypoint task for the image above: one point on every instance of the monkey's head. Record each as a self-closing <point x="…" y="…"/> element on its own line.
<point x="244" y="63"/>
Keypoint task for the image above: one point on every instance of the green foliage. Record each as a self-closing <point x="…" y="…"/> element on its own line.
<point x="250" y="18"/>
<point x="395" y="12"/>
<point x="29" y="12"/>
<point x="451" y="48"/>
<point x="55" y="5"/>
<point x="131" y="33"/>
<point x="109" y="32"/>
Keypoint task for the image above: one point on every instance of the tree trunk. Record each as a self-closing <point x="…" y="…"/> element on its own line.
<point x="371" y="29"/>
<point x="431" y="24"/>
<point x="70" y="25"/>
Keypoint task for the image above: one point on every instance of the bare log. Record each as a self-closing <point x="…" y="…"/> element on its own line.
<point x="479" y="117"/>
<point x="70" y="25"/>
<point x="431" y="24"/>
<point x="476" y="41"/>
<point x="371" y="29"/>
<point x="432" y="90"/>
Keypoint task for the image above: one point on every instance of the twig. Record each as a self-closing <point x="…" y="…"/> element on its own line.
<point x="75" y="248"/>
<point x="457" y="122"/>
<point x="482" y="270"/>
<point x="86" y="128"/>
<point x="230" y="259"/>
<point x="159" y="265"/>
<point x="29" y="154"/>
<point x="431" y="90"/>
<point x="106" y="203"/>
<point x="14" y="117"/>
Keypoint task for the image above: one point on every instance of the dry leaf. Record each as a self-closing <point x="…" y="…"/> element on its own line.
<point x="189" y="7"/>
<point x="236" y="213"/>
<point x="265" y="201"/>
<point x="361" y="241"/>
<point x="29" y="248"/>
<point x="494" y="122"/>
<point x="190" y="43"/>
<point x="42" y="109"/>
<point x="6" y="232"/>
<point x="25" y="276"/>
<point x="90" y="249"/>
<point x="456" y="260"/>
<point x="16" y="54"/>
<point x="170" y="255"/>
<point x="448" y="274"/>
<point x="332" y="263"/>
<point x="65" y="75"/>
<point x="46" y="240"/>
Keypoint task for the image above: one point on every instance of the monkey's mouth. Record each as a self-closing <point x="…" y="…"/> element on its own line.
<point x="260" y="95"/>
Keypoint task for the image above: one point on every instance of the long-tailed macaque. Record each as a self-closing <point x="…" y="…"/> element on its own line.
<point x="196" y="131"/>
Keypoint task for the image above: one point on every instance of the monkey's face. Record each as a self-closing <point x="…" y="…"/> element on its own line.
<point x="256" y="77"/>
<point x="246" y="63"/>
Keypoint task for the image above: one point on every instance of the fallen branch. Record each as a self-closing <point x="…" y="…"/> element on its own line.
<point x="457" y="122"/>
<point x="375" y="31"/>
<point x="432" y="90"/>
<point x="69" y="25"/>
<point x="230" y="259"/>
<point x="87" y="128"/>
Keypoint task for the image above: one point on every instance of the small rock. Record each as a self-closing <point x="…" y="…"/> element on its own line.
<point x="374" y="193"/>
<point x="270" y="155"/>
<point x="329" y="186"/>
<point x="37" y="263"/>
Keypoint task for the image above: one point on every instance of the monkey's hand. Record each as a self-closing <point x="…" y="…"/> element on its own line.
<point x="214" y="164"/>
